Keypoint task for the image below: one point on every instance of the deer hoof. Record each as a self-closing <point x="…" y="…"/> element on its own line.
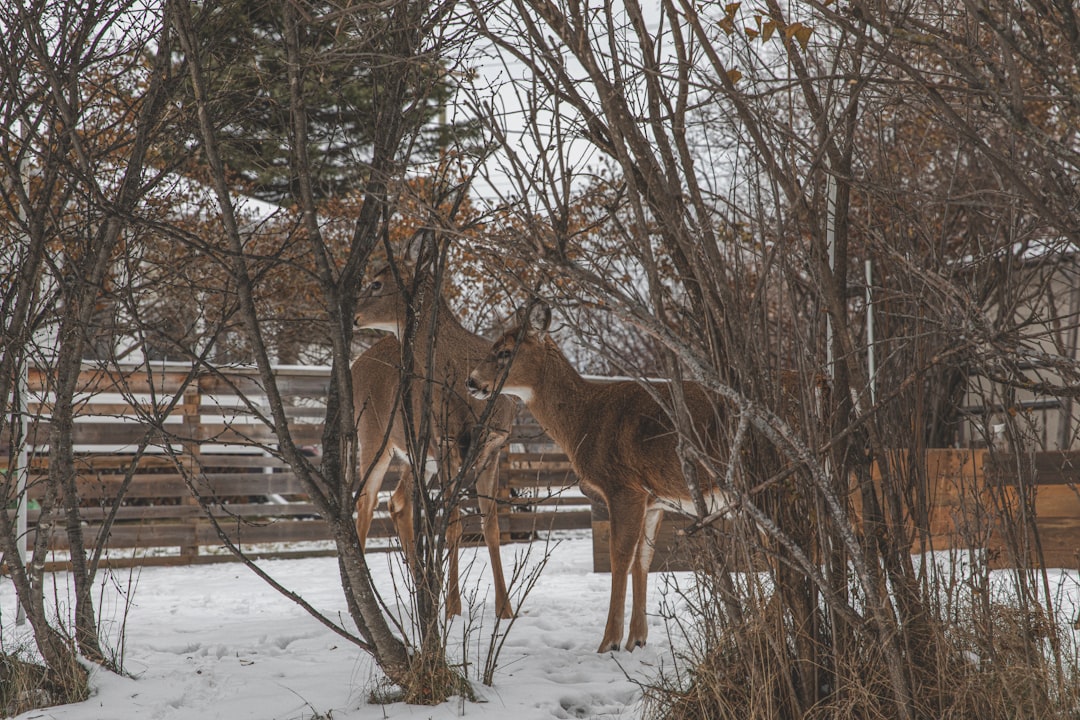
<point x="609" y="646"/>
<point x="635" y="644"/>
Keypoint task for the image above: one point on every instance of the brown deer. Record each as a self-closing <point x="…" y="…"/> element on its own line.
<point x="620" y="441"/>
<point x="454" y="415"/>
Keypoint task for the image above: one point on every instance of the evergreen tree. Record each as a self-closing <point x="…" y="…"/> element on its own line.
<point x="244" y="52"/>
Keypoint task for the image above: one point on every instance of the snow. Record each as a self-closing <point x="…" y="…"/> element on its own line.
<point x="215" y="641"/>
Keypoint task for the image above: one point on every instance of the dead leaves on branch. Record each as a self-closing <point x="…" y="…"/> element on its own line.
<point x="764" y="28"/>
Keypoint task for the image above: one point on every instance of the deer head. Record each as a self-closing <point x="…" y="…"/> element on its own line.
<point x="514" y="364"/>
<point x="383" y="301"/>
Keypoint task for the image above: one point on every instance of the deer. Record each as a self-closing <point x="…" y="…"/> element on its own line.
<point x="454" y="414"/>
<point x="620" y="442"/>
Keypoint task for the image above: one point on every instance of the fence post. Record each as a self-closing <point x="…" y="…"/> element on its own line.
<point x="192" y="450"/>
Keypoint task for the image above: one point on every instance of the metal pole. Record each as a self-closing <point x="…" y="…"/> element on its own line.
<point x="22" y="469"/>
<point x="830" y="240"/>
<point x="22" y="463"/>
<point x="871" y="360"/>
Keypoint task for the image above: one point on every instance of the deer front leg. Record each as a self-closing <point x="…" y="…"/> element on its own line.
<point x="487" y="488"/>
<point x="453" y="543"/>
<point x="453" y="535"/>
<point x="639" y="627"/>
<point x="627" y="518"/>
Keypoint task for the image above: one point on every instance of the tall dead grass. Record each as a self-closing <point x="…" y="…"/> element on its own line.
<point x="27" y="685"/>
<point x="1001" y="659"/>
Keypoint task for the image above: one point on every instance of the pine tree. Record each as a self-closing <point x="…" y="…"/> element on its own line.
<point x="244" y="53"/>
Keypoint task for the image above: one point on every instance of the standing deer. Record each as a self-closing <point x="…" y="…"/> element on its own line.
<point x="620" y="442"/>
<point x="454" y="416"/>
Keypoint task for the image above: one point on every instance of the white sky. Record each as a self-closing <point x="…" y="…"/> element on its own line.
<point x="503" y="81"/>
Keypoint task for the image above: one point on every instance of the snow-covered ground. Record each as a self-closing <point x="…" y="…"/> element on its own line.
<point x="215" y="641"/>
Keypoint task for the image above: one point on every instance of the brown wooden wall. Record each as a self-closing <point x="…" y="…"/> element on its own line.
<point x="976" y="496"/>
<point x="975" y="499"/>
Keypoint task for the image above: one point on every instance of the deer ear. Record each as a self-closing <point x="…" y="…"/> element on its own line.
<point x="413" y="247"/>
<point x="418" y="254"/>
<point x="538" y="318"/>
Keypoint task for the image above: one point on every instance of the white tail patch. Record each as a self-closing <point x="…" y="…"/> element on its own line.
<point x="716" y="501"/>
<point x="525" y="393"/>
<point x="430" y="465"/>
<point x="385" y="327"/>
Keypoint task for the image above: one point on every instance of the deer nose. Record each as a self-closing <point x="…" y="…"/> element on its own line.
<point x="474" y="388"/>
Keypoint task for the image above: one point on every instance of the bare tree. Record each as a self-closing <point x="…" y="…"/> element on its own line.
<point x="74" y="177"/>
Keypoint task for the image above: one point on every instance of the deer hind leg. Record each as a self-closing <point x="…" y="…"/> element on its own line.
<point x="401" y="512"/>
<point x="627" y="520"/>
<point x="453" y="544"/>
<point x="368" y="497"/>
<point x="453" y="535"/>
<point x="639" y="627"/>
<point x="487" y="488"/>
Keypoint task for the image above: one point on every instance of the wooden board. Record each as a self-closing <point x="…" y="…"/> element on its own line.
<point x="970" y="497"/>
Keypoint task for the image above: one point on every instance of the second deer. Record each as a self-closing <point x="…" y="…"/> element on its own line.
<point x="621" y="443"/>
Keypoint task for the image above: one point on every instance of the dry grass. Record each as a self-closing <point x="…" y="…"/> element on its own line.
<point x="26" y="685"/>
<point x="433" y="681"/>
<point x="752" y="671"/>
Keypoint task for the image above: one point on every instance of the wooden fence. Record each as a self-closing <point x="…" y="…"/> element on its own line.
<point x="983" y="499"/>
<point x="214" y="431"/>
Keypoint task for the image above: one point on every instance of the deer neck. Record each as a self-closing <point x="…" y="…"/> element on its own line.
<point x="454" y="347"/>
<point x="560" y="400"/>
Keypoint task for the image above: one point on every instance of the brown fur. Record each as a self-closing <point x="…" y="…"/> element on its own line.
<point x="454" y="419"/>
<point x="620" y="442"/>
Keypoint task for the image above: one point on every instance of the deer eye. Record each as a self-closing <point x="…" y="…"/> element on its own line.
<point x="503" y="355"/>
<point x="375" y="286"/>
